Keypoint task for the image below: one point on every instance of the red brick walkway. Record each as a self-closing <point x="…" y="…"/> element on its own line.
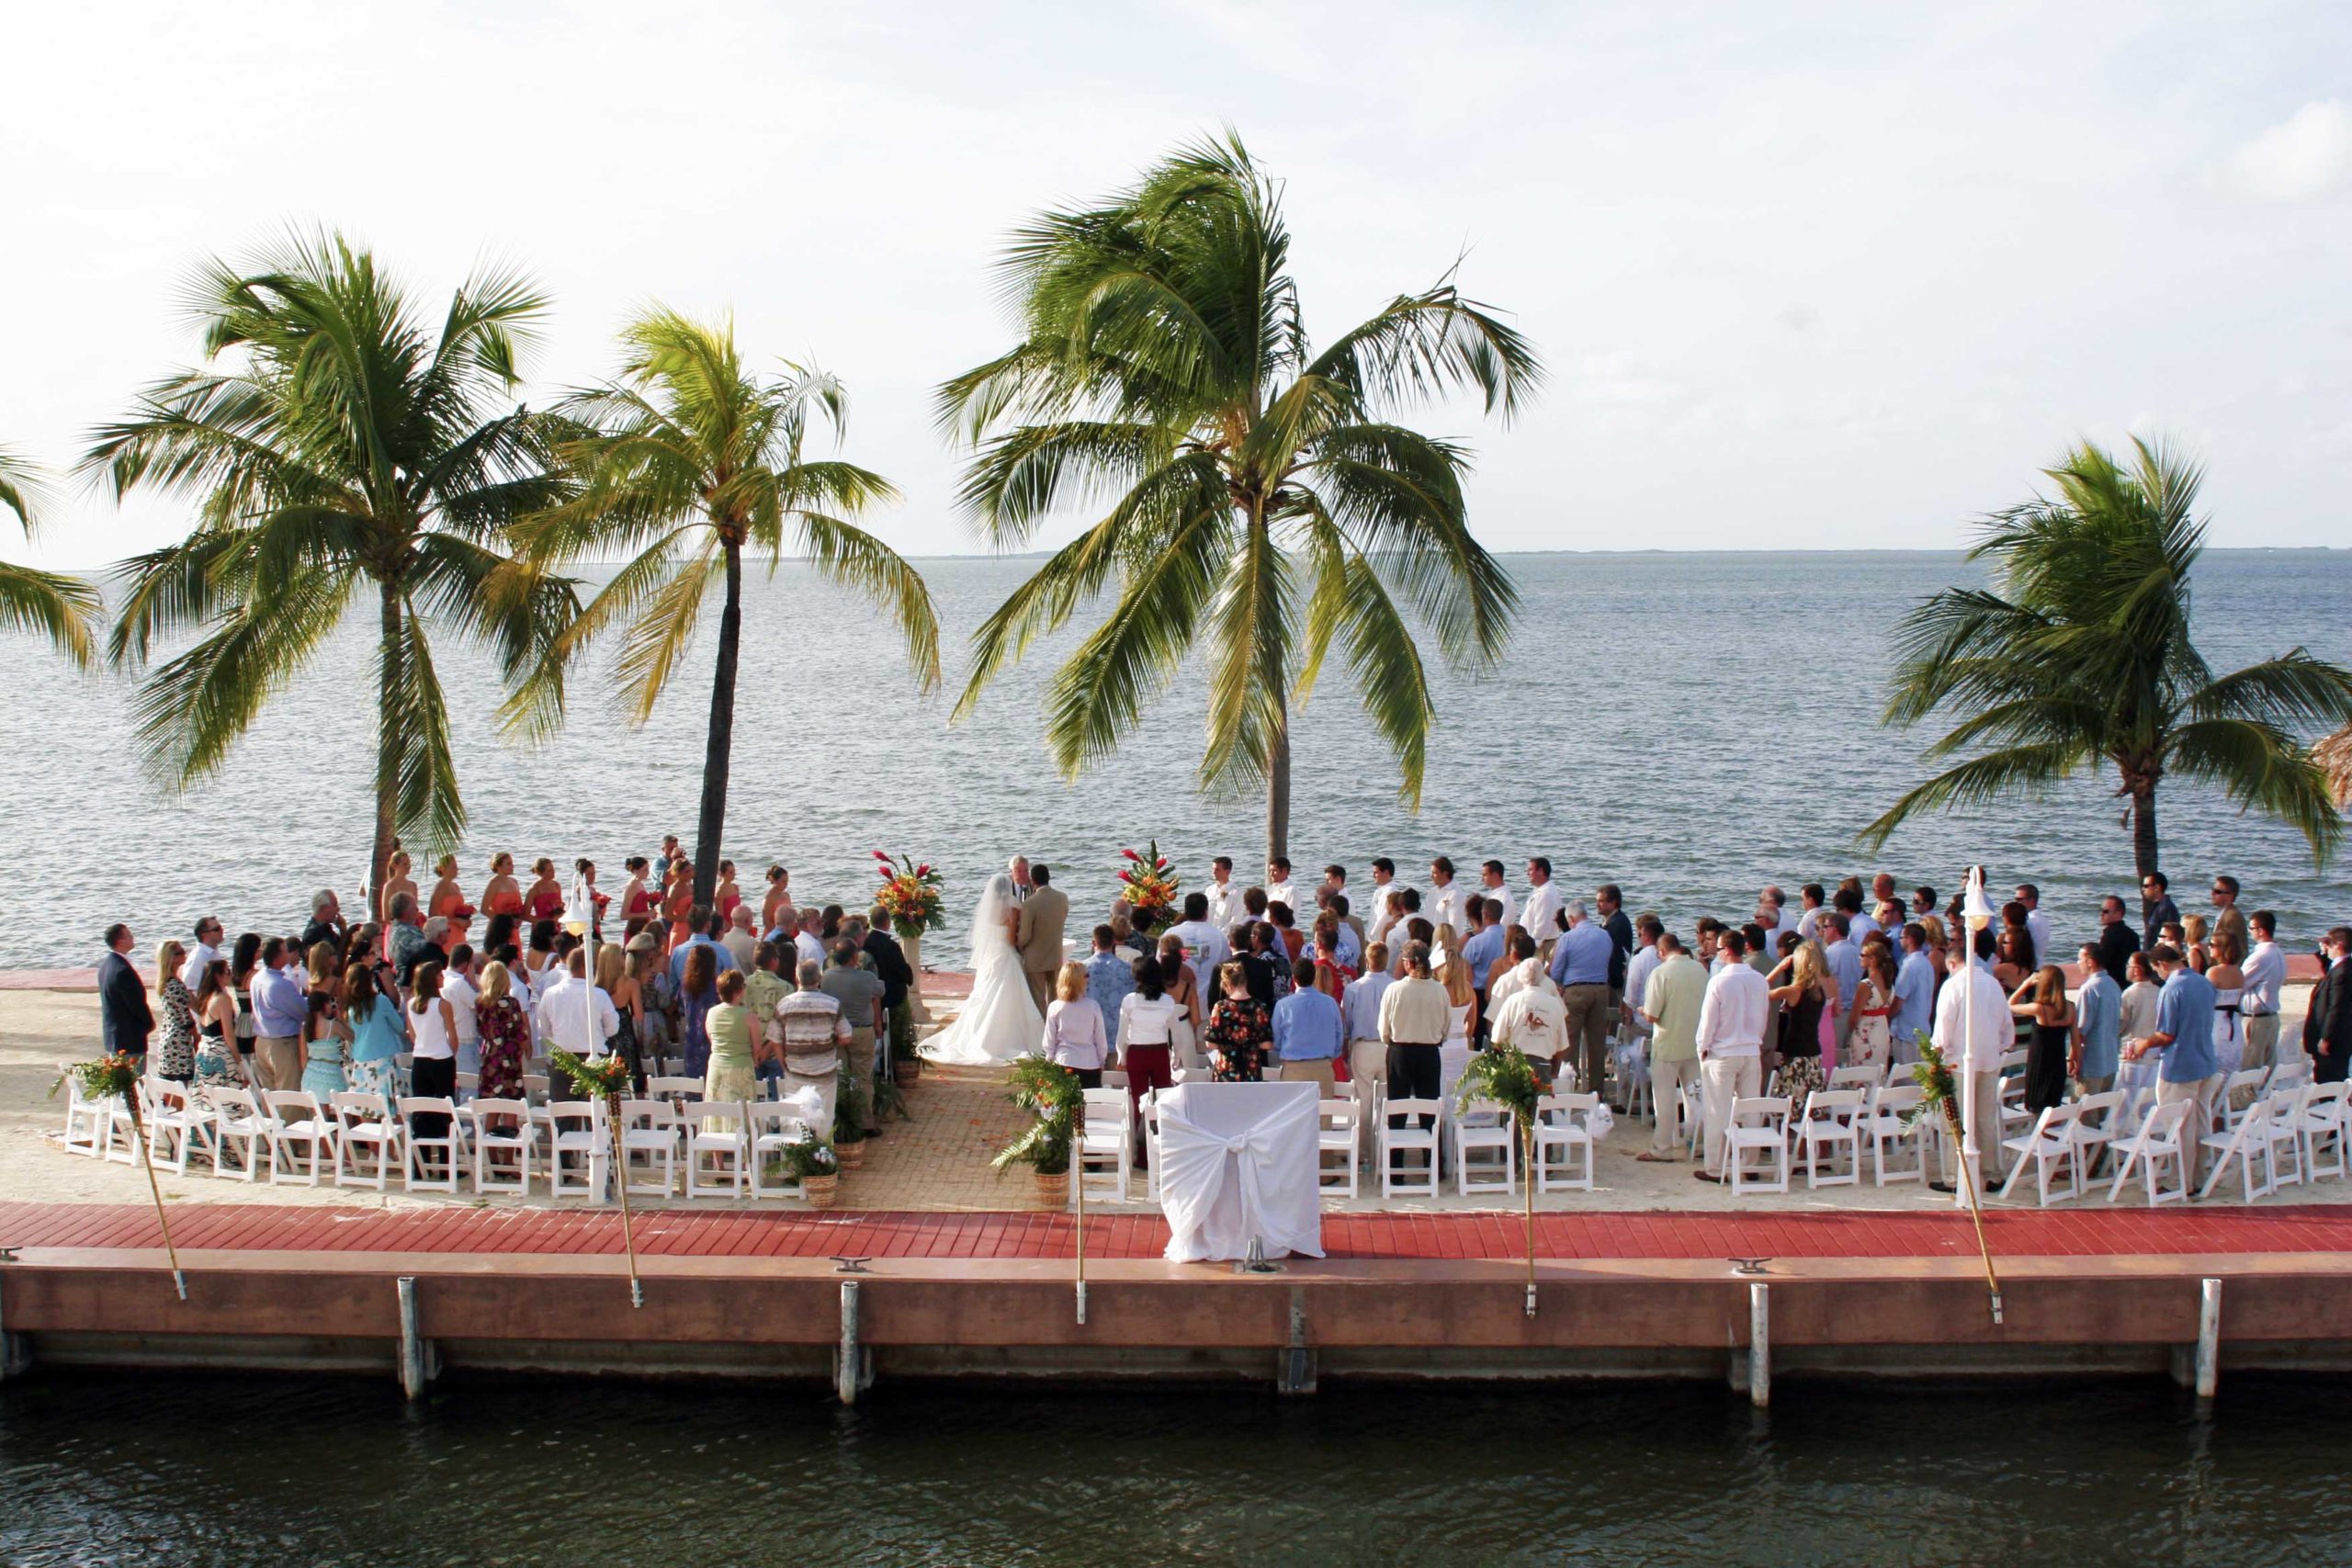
<point x="798" y="1233"/>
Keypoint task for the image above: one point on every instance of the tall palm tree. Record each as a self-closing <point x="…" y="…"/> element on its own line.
<point x="2079" y="657"/>
<point x="1263" y="502"/>
<point x="60" y="608"/>
<point x="690" y="461"/>
<point x="338" y="448"/>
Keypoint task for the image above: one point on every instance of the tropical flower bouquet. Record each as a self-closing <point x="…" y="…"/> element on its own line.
<point x="1052" y="1092"/>
<point x="596" y="1077"/>
<point x="111" y="1075"/>
<point x="910" y="893"/>
<point x="1149" y="885"/>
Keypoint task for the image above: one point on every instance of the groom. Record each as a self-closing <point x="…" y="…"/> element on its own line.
<point x="1043" y="915"/>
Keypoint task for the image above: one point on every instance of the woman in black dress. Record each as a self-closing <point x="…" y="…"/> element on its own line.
<point x="2047" y="1019"/>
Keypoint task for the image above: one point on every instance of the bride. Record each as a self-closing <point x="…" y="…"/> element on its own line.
<point x="999" y="1019"/>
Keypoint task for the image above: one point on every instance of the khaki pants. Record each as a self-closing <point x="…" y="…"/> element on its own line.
<point x="1367" y="1073"/>
<point x="1986" y="1088"/>
<point x="2261" y="1040"/>
<point x="2200" y="1094"/>
<point x="1727" y="1078"/>
<point x="1308" y="1072"/>
<point x="1667" y="1079"/>
<point x="1041" y="988"/>
<point x="1589" y="1020"/>
<point x="277" y="1061"/>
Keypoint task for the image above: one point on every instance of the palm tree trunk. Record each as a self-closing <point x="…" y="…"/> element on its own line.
<point x="1278" y="781"/>
<point x="721" y="742"/>
<point x="2143" y="827"/>
<point x="388" y="684"/>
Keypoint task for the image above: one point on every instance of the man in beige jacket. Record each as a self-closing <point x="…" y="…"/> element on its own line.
<point x="1043" y="915"/>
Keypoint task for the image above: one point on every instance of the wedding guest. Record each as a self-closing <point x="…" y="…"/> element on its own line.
<point x="739" y="939"/>
<point x="660" y="1021"/>
<point x="1294" y="940"/>
<point x="620" y="987"/>
<point x="2040" y="1005"/>
<point x="1873" y="1041"/>
<point x="2196" y="943"/>
<point x="859" y="990"/>
<point x="1582" y="962"/>
<point x="815" y="1038"/>
<point x="280" y="1014"/>
<point x="1145" y="1017"/>
<point x="1307" y="1030"/>
<point x="1608" y="905"/>
<point x="698" y="994"/>
<point x="1445" y="907"/>
<point x="327" y="919"/>
<point x="202" y="952"/>
<point x="176" y="1054"/>
<point x="1331" y="969"/>
<point x="1805" y="989"/>
<point x="458" y="991"/>
<point x="2156" y="908"/>
<point x="1673" y="998"/>
<point x="731" y="1078"/>
<point x="1539" y="917"/>
<point x="1279" y="889"/>
<point x="2229" y="919"/>
<point x="1534" y="1018"/>
<point x="433" y="1051"/>
<point x="1224" y="898"/>
<point x="1496" y="889"/>
<point x="2097" y="1043"/>
<point x="2228" y="981"/>
<point x="1204" y="944"/>
<point x="1413" y="1022"/>
<point x="1648" y="929"/>
<point x="2327" y="1021"/>
<point x="698" y="926"/>
<point x="219" y="1063"/>
<point x="1771" y="913"/>
<point x="1238" y="1030"/>
<point x="2137" y="1012"/>
<point x="1484" y="946"/>
<point x="1844" y="957"/>
<point x="1266" y="966"/>
<point x="503" y="1031"/>
<point x="726" y="896"/>
<point x="1384" y="895"/>
<point x="323" y="1049"/>
<point x="372" y="1032"/>
<point x="1515" y="971"/>
<point x="1813" y="903"/>
<point x="1729" y="1043"/>
<point x="763" y="989"/>
<point x="2184" y="1033"/>
<point x="396" y="885"/>
<point x="125" y="1021"/>
<point x="2266" y="975"/>
<point x="1186" y="992"/>
<point x="1975" y="1030"/>
<point x="244" y="960"/>
<point x="1074" y="1031"/>
<point x="1360" y="1005"/>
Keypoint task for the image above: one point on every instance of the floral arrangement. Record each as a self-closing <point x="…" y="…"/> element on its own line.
<point x="804" y="1158"/>
<point x="1504" y="1075"/>
<point x="1939" y="1096"/>
<point x="910" y="893"/>
<point x="1052" y="1091"/>
<point x="1149" y="885"/>
<point x="597" y="1078"/>
<point x="111" y="1075"/>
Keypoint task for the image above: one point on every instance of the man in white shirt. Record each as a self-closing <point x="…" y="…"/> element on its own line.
<point x="1205" y="945"/>
<point x="1731" y="1042"/>
<point x="1534" y="1019"/>
<point x="1279" y="887"/>
<point x="566" y="1015"/>
<point x="1539" y="917"/>
<point x="2265" y="975"/>
<point x="458" y="991"/>
<point x="1445" y="906"/>
<point x="1646" y="957"/>
<point x="1383" y="894"/>
<point x="1225" y="899"/>
<point x="1496" y="889"/>
<point x="806" y="946"/>
<point x="1771" y="913"/>
<point x="2037" y="924"/>
<point x="1972" y="1042"/>
<point x="202" y="953"/>
<point x="1813" y="904"/>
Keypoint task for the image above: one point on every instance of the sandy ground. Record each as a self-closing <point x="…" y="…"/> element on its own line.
<point x="937" y="1161"/>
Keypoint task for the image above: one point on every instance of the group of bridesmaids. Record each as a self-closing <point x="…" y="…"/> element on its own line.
<point x="660" y="889"/>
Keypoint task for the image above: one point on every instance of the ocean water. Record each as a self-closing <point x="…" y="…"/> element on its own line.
<point x="1688" y="726"/>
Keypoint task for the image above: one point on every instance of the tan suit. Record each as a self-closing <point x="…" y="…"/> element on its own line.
<point x="1039" y="938"/>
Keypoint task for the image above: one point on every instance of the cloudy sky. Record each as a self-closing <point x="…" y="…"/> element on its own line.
<point x="1807" y="275"/>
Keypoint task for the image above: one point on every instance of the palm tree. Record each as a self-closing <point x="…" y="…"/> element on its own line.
<point x="59" y="607"/>
<point x="2079" y="656"/>
<point x="690" y="461"/>
<point x="1262" y="504"/>
<point x="339" y="448"/>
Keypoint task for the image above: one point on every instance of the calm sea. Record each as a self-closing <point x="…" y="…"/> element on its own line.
<point x="1689" y="726"/>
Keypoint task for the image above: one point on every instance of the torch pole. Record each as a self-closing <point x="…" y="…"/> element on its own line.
<point x="138" y="1133"/>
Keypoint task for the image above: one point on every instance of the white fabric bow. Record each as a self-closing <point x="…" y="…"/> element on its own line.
<point x="1220" y="1189"/>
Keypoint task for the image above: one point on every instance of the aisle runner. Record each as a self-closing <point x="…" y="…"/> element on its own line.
<point x="736" y="1233"/>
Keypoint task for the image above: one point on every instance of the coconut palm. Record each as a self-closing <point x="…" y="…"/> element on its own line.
<point x="2079" y="657"/>
<point x="339" y="448"/>
<point x="690" y="461"/>
<point x="1262" y="504"/>
<point x="60" y="608"/>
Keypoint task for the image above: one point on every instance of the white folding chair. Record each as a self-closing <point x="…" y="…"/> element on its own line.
<point x="403" y="1078"/>
<point x="2014" y="1116"/>
<point x="535" y="1087"/>
<point x="1486" y="1149"/>
<point x="2097" y="1120"/>
<point x="2243" y="1145"/>
<point x="2159" y="1138"/>
<point x="1564" y="1142"/>
<point x="178" y="1126"/>
<point x="503" y="1142"/>
<point x="1150" y="1109"/>
<point x="298" y="1133"/>
<point x="1339" y="1130"/>
<point x="2324" y="1130"/>
<point x="1833" y="1122"/>
<point x="1402" y="1132"/>
<point x="89" y="1123"/>
<point x="727" y="1148"/>
<point x="426" y="1150"/>
<point x="1884" y="1128"/>
<point x="240" y="1131"/>
<point x="2280" y="1129"/>
<point x="1867" y="1077"/>
<point x="1759" y="1124"/>
<point x="469" y="1085"/>
<point x="2049" y="1142"/>
<point x="1105" y="1142"/>
<point x="361" y="1127"/>
<point x="580" y="1148"/>
<point x="2239" y="1091"/>
<point x="774" y="1127"/>
<point x="652" y="1132"/>
<point x="1694" y="1114"/>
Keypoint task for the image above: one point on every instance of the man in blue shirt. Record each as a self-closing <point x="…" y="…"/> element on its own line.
<point x="1915" y="994"/>
<point x="2191" y="1070"/>
<point x="2099" y="1014"/>
<point x="1485" y="945"/>
<point x="280" y="1010"/>
<point x="698" y="921"/>
<point x="1307" y="1035"/>
<point x="1108" y="978"/>
<point x="1581" y="963"/>
<point x="1846" y="968"/>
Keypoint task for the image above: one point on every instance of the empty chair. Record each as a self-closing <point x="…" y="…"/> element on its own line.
<point x="579" y="1148"/>
<point x="2159" y="1139"/>
<point x="1759" y="1126"/>
<point x="1867" y="1076"/>
<point x="2098" y="1121"/>
<point x="1409" y="1126"/>
<point x="535" y="1087"/>
<point x="1564" y="1142"/>
<point x="1486" y="1149"/>
<point x="299" y="1135"/>
<point x="1338" y="1133"/>
<point x="2278" y="1128"/>
<point x="2049" y="1142"/>
<point x="503" y="1142"/>
<point x="719" y="1149"/>
<point x="240" y="1131"/>
<point x="651" y="1135"/>
<point x="774" y="1127"/>
<point x="178" y="1126"/>
<point x="678" y="1091"/>
<point x="368" y="1142"/>
<point x="469" y="1085"/>
<point x="2289" y="1075"/>
<point x="1694" y="1114"/>
<point x="89" y="1123"/>
<point x="2244" y="1146"/>
<point x="1105" y="1143"/>
<point x="1889" y="1124"/>
<point x="2239" y="1091"/>
<point x="2324" y="1130"/>
<point x="1832" y="1123"/>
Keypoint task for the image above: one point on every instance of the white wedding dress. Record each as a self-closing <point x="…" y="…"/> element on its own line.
<point x="1000" y="1020"/>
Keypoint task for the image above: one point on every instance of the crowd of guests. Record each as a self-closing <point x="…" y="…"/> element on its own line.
<point x="751" y="1002"/>
<point x="1394" y="996"/>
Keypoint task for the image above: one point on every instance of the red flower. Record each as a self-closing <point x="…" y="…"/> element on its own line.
<point x="922" y="870"/>
<point x="1131" y="854"/>
<point x="879" y="855"/>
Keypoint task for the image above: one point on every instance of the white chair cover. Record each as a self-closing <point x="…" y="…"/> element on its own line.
<point x="1237" y="1160"/>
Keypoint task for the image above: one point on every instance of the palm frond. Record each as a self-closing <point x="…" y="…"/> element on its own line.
<point x="2260" y="766"/>
<point x="2028" y="769"/>
<point x="195" y="707"/>
<point x="62" y="609"/>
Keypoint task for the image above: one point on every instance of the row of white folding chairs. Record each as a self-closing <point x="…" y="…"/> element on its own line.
<point x="1486" y="1146"/>
<point x="1862" y="1114"/>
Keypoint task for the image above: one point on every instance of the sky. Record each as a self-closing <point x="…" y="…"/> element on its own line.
<point x="1806" y="276"/>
